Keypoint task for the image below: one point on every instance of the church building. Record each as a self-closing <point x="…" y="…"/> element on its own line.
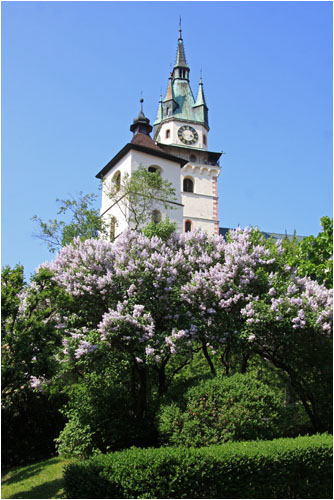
<point x="178" y="150"/>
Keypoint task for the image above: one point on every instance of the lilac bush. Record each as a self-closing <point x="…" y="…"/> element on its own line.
<point x="155" y="301"/>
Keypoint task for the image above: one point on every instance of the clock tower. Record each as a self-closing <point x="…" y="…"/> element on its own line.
<point x="181" y="129"/>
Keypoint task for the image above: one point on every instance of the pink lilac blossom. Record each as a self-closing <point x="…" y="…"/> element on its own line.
<point x="37" y="383"/>
<point x="144" y="282"/>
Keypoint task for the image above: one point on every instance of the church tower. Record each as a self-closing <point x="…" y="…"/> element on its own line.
<point x="141" y="152"/>
<point x="181" y="129"/>
<point x="178" y="151"/>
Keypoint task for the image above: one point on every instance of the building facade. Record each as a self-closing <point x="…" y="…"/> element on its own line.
<point x="178" y="151"/>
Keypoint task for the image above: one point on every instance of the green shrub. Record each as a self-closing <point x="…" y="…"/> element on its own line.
<point x="99" y="419"/>
<point x="222" y="409"/>
<point x="283" y="468"/>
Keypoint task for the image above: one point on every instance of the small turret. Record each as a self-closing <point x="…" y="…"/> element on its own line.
<point x="169" y="103"/>
<point x="200" y="104"/>
<point x="141" y="124"/>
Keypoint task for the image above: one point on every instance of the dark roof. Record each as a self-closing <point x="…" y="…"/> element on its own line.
<point x="147" y="141"/>
<point x="143" y="143"/>
<point x="213" y="157"/>
<point x="275" y="236"/>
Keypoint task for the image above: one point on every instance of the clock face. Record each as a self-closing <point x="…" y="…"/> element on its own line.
<point x="187" y="134"/>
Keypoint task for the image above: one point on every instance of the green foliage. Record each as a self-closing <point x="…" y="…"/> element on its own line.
<point x="29" y="336"/>
<point x="283" y="468"/>
<point x="139" y="194"/>
<point x="221" y="409"/>
<point x="163" y="229"/>
<point x="29" y="342"/>
<point x="12" y="283"/>
<point x="76" y="440"/>
<point x="85" y="222"/>
<point x="99" y="414"/>
<point x="314" y="256"/>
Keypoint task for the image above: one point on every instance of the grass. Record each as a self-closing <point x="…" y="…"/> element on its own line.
<point x="38" y="480"/>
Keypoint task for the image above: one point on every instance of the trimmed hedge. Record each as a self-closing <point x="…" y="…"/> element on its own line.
<point x="221" y="409"/>
<point x="283" y="468"/>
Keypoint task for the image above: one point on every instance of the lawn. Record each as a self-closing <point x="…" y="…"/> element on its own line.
<point x="38" y="480"/>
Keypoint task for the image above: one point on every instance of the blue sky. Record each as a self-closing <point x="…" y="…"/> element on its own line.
<point x="72" y="77"/>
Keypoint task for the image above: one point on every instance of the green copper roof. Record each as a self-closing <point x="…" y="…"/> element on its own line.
<point x="170" y="91"/>
<point x="180" y="55"/>
<point x="179" y="102"/>
<point x="200" y="101"/>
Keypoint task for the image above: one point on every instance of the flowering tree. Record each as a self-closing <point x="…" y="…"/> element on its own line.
<point x="253" y="300"/>
<point x="216" y="294"/>
<point x="291" y="326"/>
<point x="29" y="334"/>
<point x="156" y="301"/>
<point x="29" y="343"/>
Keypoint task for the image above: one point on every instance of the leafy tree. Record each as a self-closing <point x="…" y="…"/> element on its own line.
<point x="30" y="420"/>
<point x="85" y="222"/>
<point x="163" y="229"/>
<point x="314" y="255"/>
<point x="156" y="302"/>
<point x="138" y="195"/>
<point x="29" y="335"/>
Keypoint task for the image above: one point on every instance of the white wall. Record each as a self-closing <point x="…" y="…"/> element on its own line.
<point x="127" y="165"/>
<point x="200" y="207"/>
<point x="174" y="126"/>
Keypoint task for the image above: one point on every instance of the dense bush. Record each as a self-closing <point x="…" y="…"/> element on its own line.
<point x="99" y="418"/>
<point x="283" y="468"/>
<point x="222" y="409"/>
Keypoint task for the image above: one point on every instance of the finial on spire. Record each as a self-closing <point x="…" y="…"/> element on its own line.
<point x="180" y="29"/>
<point x="141" y="123"/>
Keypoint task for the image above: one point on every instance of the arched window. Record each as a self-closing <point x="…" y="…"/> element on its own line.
<point x="156" y="216"/>
<point x="187" y="226"/>
<point x="154" y="168"/>
<point x="167" y="135"/>
<point x="188" y="185"/>
<point x="117" y="180"/>
<point x="204" y="140"/>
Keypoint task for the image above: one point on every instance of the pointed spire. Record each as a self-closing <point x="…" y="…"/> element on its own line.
<point x="200" y="101"/>
<point x="200" y="107"/>
<point x="160" y="110"/>
<point x="181" y="70"/>
<point x="170" y="93"/>
<point x="180" y="55"/>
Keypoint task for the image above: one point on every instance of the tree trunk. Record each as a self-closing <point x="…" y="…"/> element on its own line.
<point x="141" y="396"/>
<point x="207" y="356"/>
<point x="305" y="398"/>
<point x="244" y="362"/>
<point x="161" y="381"/>
<point x="225" y="358"/>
